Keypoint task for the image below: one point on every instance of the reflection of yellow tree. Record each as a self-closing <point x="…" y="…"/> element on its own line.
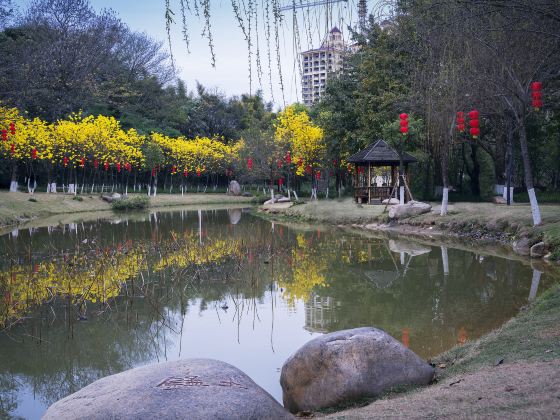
<point x="307" y="272"/>
<point x="91" y="278"/>
<point x="190" y="252"/>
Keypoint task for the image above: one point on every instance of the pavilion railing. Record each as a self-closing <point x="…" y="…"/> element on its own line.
<point x="376" y="192"/>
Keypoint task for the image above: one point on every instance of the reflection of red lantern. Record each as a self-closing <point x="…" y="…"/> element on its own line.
<point x="281" y="181"/>
<point x="288" y="158"/>
<point x="461" y="121"/>
<point x="65" y="161"/>
<point x="536" y="95"/>
<point x="95" y="164"/>
<point x="249" y="164"/>
<point x="34" y="154"/>
<point x="474" y="124"/>
<point x="12" y="128"/>
<point x="4" y="134"/>
<point x="405" y="337"/>
<point x="404" y="123"/>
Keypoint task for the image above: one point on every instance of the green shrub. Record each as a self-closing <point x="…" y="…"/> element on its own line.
<point x="77" y="198"/>
<point x="33" y="200"/>
<point x="139" y="202"/>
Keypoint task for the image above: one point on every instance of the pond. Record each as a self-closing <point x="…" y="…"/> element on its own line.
<point x="84" y="300"/>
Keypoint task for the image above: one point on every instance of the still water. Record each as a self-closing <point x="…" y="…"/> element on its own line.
<point x="85" y="300"/>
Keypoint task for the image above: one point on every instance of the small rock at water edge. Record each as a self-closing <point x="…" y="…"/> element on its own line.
<point x="538" y="250"/>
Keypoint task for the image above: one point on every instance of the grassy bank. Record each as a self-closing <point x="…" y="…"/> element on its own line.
<point x="480" y="221"/>
<point x="17" y="208"/>
<point x="512" y="372"/>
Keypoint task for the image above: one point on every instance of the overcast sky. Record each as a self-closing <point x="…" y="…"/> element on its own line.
<point x="231" y="74"/>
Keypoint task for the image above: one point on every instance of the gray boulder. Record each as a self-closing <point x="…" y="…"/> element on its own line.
<point x="109" y="198"/>
<point x="184" y="389"/>
<point x="234" y="188"/>
<point x="410" y="209"/>
<point x="522" y="246"/>
<point x="347" y="365"/>
<point x="538" y="250"/>
<point x="390" y="201"/>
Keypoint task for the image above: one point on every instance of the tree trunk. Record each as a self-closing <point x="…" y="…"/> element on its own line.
<point x="14" y="183"/>
<point x="529" y="174"/>
<point x="445" y="180"/>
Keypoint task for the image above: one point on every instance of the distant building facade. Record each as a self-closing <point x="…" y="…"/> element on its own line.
<point x="318" y="65"/>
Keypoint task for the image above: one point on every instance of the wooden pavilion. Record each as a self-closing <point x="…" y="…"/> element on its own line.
<point x="376" y="172"/>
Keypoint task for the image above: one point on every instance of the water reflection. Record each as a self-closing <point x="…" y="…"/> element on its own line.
<point x="85" y="300"/>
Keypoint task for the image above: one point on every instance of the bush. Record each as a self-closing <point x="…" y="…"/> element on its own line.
<point x="77" y="198"/>
<point x="139" y="202"/>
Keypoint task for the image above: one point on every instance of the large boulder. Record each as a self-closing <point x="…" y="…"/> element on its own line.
<point x="522" y="246"/>
<point x="110" y="198"/>
<point x="538" y="250"/>
<point x="347" y="365"/>
<point x="410" y="209"/>
<point x="234" y="188"/>
<point x="390" y="201"/>
<point x="184" y="389"/>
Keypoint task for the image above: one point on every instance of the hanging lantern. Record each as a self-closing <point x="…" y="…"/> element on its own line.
<point x="334" y="162"/>
<point x="249" y="164"/>
<point x="153" y="172"/>
<point x="12" y="128"/>
<point x="4" y="134"/>
<point x="198" y="172"/>
<point x="173" y="170"/>
<point x="281" y="182"/>
<point x="536" y="95"/>
<point x="300" y="162"/>
<point x="404" y="123"/>
<point x="65" y="161"/>
<point x="128" y="167"/>
<point x="185" y="173"/>
<point x="461" y="122"/>
<point x="279" y="163"/>
<point x="106" y="166"/>
<point x="34" y="154"/>
<point x="288" y="158"/>
<point x="308" y="169"/>
<point x="474" y="124"/>
<point x="82" y="162"/>
<point x="95" y="164"/>
<point x="318" y="175"/>
<point x="349" y="167"/>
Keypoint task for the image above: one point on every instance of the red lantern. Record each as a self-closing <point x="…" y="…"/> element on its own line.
<point x="308" y="169"/>
<point x="128" y="167"/>
<point x="198" y="172"/>
<point x="65" y="160"/>
<point x="83" y="162"/>
<point x="118" y="166"/>
<point x="95" y="164"/>
<point x="288" y="158"/>
<point x="153" y="172"/>
<point x="404" y="123"/>
<point x="536" y="95"/>
<point x="185" y="173"/>
<point x="334" y="162"/>
<point x="173" y="170"/>
<point x="12" y="128"/>
<point x="318" y="175"/>
<point x="34" y="154"/>
<point x="106" y="166"/>
<point x="249" y="164"/>
<point x="300" y="162"/>
<point x="474" y="124"/>
<point x="281" y="181"/>
<point x="4" y="134"/>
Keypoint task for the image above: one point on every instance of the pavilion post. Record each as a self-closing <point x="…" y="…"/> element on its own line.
<point x="369" y="182"/>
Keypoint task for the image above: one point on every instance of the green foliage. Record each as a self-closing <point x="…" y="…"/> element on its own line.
<point x="139" y="202"/>
<point x="487" y="178"/>
<point x="77" y="198"/>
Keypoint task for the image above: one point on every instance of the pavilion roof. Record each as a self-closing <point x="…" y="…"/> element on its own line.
<point x="381" y="153"/>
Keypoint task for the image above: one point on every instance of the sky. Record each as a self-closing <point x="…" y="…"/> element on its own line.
<point x="231" y="75"/>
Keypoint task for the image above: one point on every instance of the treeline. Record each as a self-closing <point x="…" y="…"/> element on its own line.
<point x="436" y="59"/>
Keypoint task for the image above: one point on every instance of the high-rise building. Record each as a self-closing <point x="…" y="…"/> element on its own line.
<point x="320" y="64"/>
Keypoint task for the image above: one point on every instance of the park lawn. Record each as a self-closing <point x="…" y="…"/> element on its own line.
<point x="16" y="208"/>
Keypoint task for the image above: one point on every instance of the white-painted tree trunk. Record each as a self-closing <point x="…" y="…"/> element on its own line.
<point x="51" y="188"/>
<point x="534" y="207"/>
<point x="71" y="188"/>
<point x="444" y="201"/>
<point x="13" y="186"/>
<point x="401" y="194"/>
<point x="295" y="195"/>
<point x="504" y="195"/>
<point x="272" y="194"/>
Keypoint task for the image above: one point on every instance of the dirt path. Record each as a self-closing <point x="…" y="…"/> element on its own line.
<point x="514" y="391"/>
